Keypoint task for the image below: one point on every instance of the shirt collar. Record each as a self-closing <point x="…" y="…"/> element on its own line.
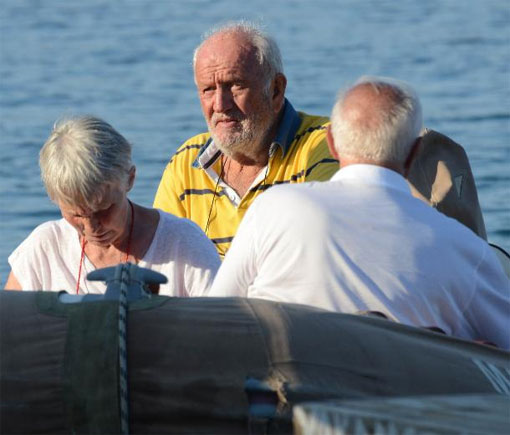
<point x="287" y="129"/>
<point x="207" y="155"/>
<point x="372" y="175"/>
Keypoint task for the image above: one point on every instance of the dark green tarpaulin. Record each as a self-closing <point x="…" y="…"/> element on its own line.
<point x="188" y="361"/>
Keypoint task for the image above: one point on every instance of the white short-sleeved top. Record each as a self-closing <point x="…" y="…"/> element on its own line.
<point x="49" y="258"/>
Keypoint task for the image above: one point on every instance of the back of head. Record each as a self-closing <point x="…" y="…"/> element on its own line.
<point x="81" y="158"/>
<point x="377" y="121"/>
<point x="267" y="51"/>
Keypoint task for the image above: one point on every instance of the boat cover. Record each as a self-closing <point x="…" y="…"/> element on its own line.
<point x="189" y="360"/>
<point x="452" y="414"/>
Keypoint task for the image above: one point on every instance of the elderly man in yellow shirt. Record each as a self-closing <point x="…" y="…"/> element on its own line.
<point x="256" y="138"/>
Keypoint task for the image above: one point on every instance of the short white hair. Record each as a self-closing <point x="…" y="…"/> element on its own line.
<point x="385" y="131"/>
<point x="82" y="158"/>
<point x="267" y="51"/>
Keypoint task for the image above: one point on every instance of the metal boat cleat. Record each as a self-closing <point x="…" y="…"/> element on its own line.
<point x="136" y="278"/>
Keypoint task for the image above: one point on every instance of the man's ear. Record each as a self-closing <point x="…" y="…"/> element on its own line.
<point x="278" y="96"/>
<point x="412" y="156"/>
<point x="331" y="143"/>
<point x="131" y="179"/>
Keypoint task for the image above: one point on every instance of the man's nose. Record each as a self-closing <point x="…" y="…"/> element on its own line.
<point x="223" y="100"/>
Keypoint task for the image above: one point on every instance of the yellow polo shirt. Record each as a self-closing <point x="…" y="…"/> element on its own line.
<point x="190" y="186"/>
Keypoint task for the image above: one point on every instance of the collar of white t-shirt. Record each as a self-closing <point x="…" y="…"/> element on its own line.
<point x="361" y="173"/>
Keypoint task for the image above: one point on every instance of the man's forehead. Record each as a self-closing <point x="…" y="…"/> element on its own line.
<point x="227" y="49"/>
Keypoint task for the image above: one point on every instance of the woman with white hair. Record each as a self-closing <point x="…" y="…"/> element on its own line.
<point x="87" y="171"/>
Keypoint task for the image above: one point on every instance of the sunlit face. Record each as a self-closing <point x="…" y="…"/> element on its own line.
<point x="104" y="224"/>
<point x="233" y="94"/>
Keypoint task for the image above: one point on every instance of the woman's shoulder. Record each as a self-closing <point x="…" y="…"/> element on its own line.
<point x="55" y="230"/>
<point x="46" y="238"/>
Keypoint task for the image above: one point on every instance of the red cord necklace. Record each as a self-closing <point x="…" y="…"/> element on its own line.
<point x="84" y="242"/>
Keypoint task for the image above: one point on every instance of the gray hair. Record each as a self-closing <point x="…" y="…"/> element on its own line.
<point x="386" y="130"/>
<point x="82" y="157"/>
<point x="268" y="53"/>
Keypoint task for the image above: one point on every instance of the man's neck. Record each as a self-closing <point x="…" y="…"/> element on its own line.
<point x="240" y="176"/>
<point x="258" y="159"/>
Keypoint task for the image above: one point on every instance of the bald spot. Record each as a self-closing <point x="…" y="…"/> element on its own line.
<point x="366" y="106"/>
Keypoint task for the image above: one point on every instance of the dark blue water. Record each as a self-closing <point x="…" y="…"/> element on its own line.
<point x="130" y="63"/>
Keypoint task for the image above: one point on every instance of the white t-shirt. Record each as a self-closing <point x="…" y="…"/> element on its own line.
<point x="362" y="242"/>
<point x="49" y="258"/>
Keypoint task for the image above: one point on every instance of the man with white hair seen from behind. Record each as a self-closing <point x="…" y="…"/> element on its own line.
<point x="361" y="241"/>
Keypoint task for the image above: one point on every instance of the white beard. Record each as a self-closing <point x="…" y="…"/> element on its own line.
<point x="247" y="140"/>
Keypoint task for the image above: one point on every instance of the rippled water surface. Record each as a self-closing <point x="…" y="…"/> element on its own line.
<point x="130" y="63"/>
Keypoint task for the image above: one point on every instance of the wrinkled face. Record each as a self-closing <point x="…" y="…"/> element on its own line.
<point x="233" y="93"/>
<point x="105" y="223"/>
